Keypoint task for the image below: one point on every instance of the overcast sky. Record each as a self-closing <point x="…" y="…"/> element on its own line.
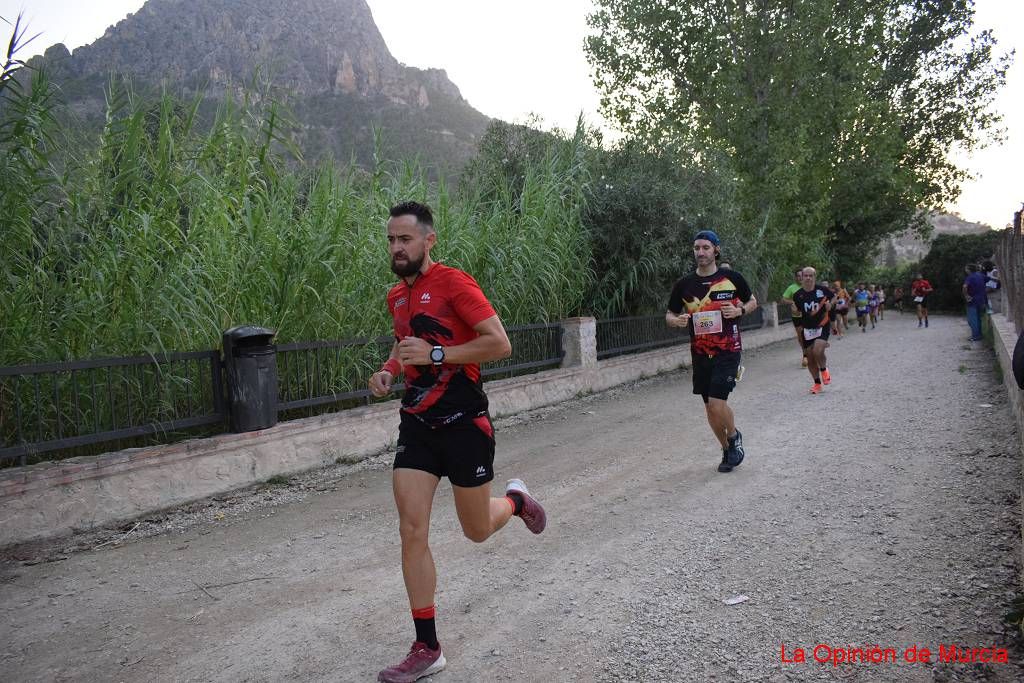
<point x="512" y="60"/>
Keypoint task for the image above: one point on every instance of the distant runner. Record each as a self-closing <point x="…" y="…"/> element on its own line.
<point x="787" y="297"/>
<point x="920" y="289"/>
<point x="862" y="305"/>
<point x="840" y="323"/>
<point x="873" y="305"/>
<point x="814" y="302"/>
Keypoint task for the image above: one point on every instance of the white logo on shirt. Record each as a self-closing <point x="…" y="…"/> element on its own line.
<point x="425" y="298"/>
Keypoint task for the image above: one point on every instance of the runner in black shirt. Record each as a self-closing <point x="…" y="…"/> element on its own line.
<point x="814" y="302"/>
<point x="710" y="302"/>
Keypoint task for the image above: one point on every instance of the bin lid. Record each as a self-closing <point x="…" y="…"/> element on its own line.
<point x="247" y="332"/>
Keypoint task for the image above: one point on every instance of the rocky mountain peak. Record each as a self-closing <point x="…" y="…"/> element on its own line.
<point x="309" y="47"/>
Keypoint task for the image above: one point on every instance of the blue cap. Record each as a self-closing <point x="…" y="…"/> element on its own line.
<point x="708" y="235"/>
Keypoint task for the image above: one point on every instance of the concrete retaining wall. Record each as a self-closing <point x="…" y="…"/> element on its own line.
<point x="54" y="499"/>
<point x="1004" y="339"/>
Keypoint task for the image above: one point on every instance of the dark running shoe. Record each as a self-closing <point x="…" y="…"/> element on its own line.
<point x="532" y="514"/>
<point x="724" y="466"/>
<point x="421" y="661"/>
<point x="735" y="451"/>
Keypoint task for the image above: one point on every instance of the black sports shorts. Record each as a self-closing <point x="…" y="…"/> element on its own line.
<point x="462" y="451"/>
<point x="825" y="331"/>
<point x="715" y="376"/>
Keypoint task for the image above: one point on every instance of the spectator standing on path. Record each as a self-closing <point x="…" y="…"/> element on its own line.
<point x="444" y="328"/>
<point x="881" y="302"/>
<point x="787" y="297"/>
<point x="920" y="289"/>
<point x="709" y="302"/>
<point x="814" y="302"/>
<point x="975" y="295"/>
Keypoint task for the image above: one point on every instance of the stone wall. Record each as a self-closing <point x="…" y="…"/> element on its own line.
<point x="1004" y="339"/>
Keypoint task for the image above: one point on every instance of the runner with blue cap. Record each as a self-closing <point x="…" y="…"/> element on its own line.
<point x="709" y="303"/>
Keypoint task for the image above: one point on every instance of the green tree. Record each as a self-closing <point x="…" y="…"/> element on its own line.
<point x="944" y="263"/>
<point x="837" y="116"/>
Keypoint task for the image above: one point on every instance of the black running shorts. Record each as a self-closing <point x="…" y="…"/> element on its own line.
<point x="715" y="376"/>
<point x="825" y="331"/>
<point x="462" y="451"/>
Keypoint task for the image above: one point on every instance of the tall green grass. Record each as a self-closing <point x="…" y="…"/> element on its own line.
<point x="169" y="230"/>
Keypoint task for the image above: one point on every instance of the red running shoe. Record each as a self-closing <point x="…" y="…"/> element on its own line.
<point x="816" y="389"/>
<point x="421" y="661"/>
<point x="532" y="514"/>
<point x="825" y="377"/>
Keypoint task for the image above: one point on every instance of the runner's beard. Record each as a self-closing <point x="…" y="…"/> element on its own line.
<point x="411" y="267"/>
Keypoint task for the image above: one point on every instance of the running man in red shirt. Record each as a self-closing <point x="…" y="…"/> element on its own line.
<point x="444" y="328"/>
<point x="920" y="289"/>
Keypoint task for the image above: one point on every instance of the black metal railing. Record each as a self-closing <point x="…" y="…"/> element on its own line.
<point x="618" y="336"/>
<point x="785" y="313"/>
<point x="53" y="406"/>
<point x="336" y="372"/>
<point x="534" y="348"/>
<point x="753" y="321"/>
<point x="63" y="406"/>
<point x="325" y="372"/>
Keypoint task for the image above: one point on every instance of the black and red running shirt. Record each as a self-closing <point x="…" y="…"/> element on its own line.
<point x="921" y="287"/>
<point x="711" y="333"/>
<point x="441" y="306"/>
<point x="811" y="306"/>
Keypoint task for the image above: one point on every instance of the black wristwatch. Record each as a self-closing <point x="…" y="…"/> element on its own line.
<point x="437" y="355"/>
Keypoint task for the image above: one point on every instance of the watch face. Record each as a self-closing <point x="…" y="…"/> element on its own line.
<point x="437" y="354"/>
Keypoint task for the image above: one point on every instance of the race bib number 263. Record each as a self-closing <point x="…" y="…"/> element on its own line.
<point x="707" y="322"/>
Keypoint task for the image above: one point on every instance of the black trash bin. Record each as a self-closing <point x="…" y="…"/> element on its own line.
<point x="250" y="359"/>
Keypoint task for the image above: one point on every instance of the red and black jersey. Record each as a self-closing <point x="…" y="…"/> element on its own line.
<point x="441" y="306"/>
<point x="703" y="296"/>
<point x="811" y="306"/>
<point x="921" y="287"/>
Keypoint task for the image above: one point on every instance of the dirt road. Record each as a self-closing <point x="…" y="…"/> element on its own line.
<point x="881" y="513"/>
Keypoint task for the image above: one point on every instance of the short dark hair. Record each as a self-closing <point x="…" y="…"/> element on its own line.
<point x="421" y="211"/>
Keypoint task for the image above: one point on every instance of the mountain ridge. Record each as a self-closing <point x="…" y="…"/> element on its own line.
<point x="328" y="56"/>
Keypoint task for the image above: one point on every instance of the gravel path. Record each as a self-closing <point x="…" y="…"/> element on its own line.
<point x="884" y="512"/>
